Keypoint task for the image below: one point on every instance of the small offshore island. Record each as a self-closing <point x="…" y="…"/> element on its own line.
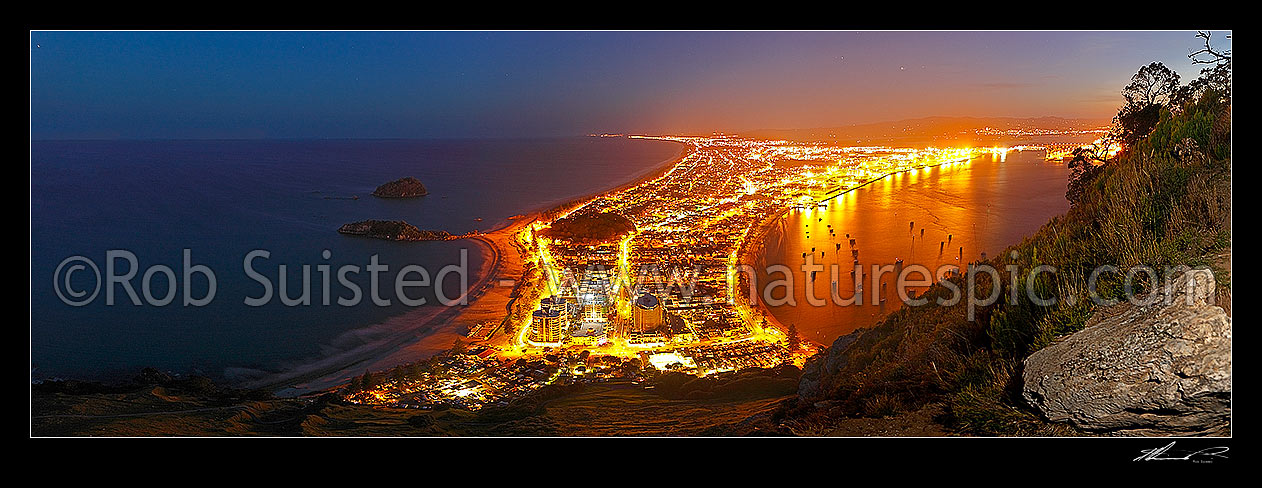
<point x="407" y="187"/>
<point x="647" y="309"/>
<point x="641" y="285"/>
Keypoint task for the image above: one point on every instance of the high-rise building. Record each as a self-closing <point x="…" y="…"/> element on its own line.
<point x="545" y="326"/>
<point x="593" y="292"/>
<point x="549" y="322"/>
<point x="564" y="307"/>
<point x="647" y="313"/>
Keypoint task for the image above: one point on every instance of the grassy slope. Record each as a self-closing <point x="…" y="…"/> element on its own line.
<point x="1147" y="207"/>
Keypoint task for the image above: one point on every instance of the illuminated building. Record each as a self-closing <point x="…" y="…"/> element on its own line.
<point x="671" y="361"/>
<point x="593" y="293"/>
<point x="567" y="309"/>
<point x="589" y="332"/>
<point x="647" y="313"/>
<point x="547" y="325"/>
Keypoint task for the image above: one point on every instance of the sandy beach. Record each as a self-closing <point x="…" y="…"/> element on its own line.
<point x="423" y="332"/>
<point x="417" y="335"/>
<point x="420" y="333"/>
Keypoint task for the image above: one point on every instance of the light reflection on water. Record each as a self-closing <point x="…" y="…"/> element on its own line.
<point x="963" y="209"/>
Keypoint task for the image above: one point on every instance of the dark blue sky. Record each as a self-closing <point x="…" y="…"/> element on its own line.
<point x="521" y="84"/>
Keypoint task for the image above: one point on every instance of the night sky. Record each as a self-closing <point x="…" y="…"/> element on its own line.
<point x="142" y="85"/>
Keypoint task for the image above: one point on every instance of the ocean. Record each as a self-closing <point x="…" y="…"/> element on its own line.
<point x="221" y="200"/>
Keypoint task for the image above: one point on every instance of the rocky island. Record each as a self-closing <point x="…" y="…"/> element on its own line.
<point x="407" y="187"/>
<point x="394" y="230"/>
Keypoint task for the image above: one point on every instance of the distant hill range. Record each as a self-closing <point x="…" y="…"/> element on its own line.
<point x="928" y="130"/>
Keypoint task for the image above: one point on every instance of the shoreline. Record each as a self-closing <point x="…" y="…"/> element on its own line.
<point x="749" y="255"/>
<point x="416" y="336"/>
<point x="404" y="332"/>
<point x="636" y="179"/>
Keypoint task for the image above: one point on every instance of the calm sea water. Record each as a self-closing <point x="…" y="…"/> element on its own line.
<point x="223" y="199"/>
<point x="964" y="210"/>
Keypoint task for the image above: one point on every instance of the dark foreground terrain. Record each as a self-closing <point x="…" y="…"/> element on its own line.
<point x="670" y="405"/>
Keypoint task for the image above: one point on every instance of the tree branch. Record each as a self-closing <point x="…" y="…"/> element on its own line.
<point x="1218" y="56"/>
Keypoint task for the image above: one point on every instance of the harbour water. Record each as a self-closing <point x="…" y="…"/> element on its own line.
<point x="945" y="215"/>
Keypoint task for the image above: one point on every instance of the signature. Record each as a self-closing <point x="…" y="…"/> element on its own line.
<point x="1165" y="454"/>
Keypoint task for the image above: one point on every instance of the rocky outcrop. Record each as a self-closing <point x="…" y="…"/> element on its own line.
<point x="1158" y="368"/>
<point x="394" y="230"/>
<point x="401" y="188"/>
<point x="590" y="228"/>
<point x="820" y="367"/>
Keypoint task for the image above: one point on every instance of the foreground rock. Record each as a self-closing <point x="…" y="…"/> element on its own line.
<point x="819" y="369"/>
<point x="1161" y="369"/>
<point x="394" y="230"/>
<point x="401" y="188"/>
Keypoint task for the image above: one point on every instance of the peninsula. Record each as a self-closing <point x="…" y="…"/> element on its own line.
<point x="395" y="230"/>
